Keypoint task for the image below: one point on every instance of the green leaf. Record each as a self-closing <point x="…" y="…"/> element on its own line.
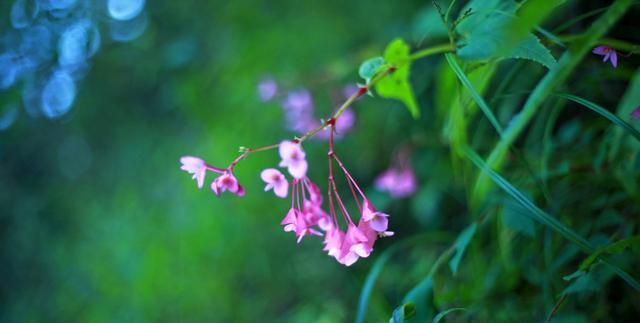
<point x="369" y="68"/>
<point x="474" y="94"/>
<point x="531" y="48"/>
<point x="515" y="217"/>
<point x="603" y="112"/>
<point x="546" y="219"/>
<point x="442" y="314"/>
<point x="403" y="313"/>
<point x="370" y="281"/>
<point x="396" y="85"/>
<point x="616" y="247"/>
<point x="422" y="294"/>
<point x="494" y="31"/>
<point x="461" y="245"/>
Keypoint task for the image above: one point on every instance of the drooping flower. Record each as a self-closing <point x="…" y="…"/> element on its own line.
<point x="378" y="221"/>
<point x="195" y="166"/>
<point x="295" y="221"/>
<point x="354" y="245"/>
<point x="267" y="89"/>
<point x="276" y="181"/>
<point x="293" y="157"/>
<point x="333" y="242"/>
<point x="608" y="53"/>
<point x="635" y="114"/>
<point x="227" y="182"/>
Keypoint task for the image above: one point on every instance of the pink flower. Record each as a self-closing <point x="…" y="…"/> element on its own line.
<point x="398" y="182"/>
<point x="333" y="242"/>
<point x="195" y="166"/>
<point x="376" y="220"/>
<point x="267" y="89"/>
<point x="227" y="182"/>
<point x="608" y="53"/>
<point x="295" y="221"/>
<point x="354" y="245"/>
<point x="275" y="180"/>
<point x="635" y="114"/>
<point x="293" y="157"/>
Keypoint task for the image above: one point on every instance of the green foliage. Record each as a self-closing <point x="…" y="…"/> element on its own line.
<point x="397" y="85"/>
<point x="461" y="245"/>
<point x="403" y="313"/>
<point x="442" y="314"/>
<point x="494" y="30"/>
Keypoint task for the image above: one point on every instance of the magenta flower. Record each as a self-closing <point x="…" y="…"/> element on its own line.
<point x="608" y="53"/>
<point x="195" y="166"/>
<point x="635" y="114"/>
<point x="398" y="182"/>
<point x="276" y="181"/>
<point x="267" y="89"/>
<point x="293" y="157"/>
<point x="227" y="182"/>
<point x="333" y="242"/>
<point x="376" y="220"/>
<point x="295" y="221"/>
<point x="354" y="245"/>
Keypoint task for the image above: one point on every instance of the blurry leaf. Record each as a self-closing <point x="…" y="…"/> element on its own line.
<point x="372" y="276"/>
<point x="461" y="245"/>
<point x="515" y="217"/>
<point x="444" y="313"/>
<point x="531" y="48"/>
<point x="396" y="85"/>
<point x="545" y="218"/>
<point x="586" y="281"/>
<point x="494" y="31"/>
<point x="422" y="295"/>
<point x="616" y="247"/>
<point x="474" y="94"/>
<point x="603" y="112"/>
<point x="403" y="313"/>
<point x="371" y="67"/>
<point x="428" y="25"/>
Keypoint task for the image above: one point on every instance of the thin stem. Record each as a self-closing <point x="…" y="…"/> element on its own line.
<point x="346" y="173"/>
<point x="214" y="169"/>
<point x="438" y="49"/>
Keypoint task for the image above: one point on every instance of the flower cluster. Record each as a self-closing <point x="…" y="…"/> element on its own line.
<point x="306" y="215"/>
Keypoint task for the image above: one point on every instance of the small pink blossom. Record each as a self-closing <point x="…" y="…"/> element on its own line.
<point x="635" y="114"/>
<point x="295" y="221"/>
<point x="267" y="89"/>
<point x="378" y="221"/>
<point x="293" y="157"/>
<point x="354" y="245"/>
<point x="227" y="182"/>
<point x="333" y="242"/>
<point x="398" y="182"/>
<point x="608" y="53"/>
<point x="195" y="166"/>
<point x="276" y="181"/>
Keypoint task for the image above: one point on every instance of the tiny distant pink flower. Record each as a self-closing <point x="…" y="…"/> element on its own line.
<point x="293" y="157"/>
<point x="227" y="182"/>
<point x="608" y="53"/>
<point x="267" y="89"/>
<point x="195" y="166"/>
<point x="276" y="181"/>
<point x="378" y="221"/>
<point x="635" y="114"/>
<point x="398" y="182"/>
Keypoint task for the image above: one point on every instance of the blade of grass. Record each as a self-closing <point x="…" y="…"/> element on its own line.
<point x="603" y="112"/>
<point x="539" y="215"/>
<point x="474" y="94"/>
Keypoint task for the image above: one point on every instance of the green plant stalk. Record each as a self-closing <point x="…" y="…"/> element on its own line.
<point x="556" y="76"/>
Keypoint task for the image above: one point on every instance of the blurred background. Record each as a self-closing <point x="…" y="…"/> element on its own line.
<point x="100" y="98"/>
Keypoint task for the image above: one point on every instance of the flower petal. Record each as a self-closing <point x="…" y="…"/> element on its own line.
<point x="281" y="188"/>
